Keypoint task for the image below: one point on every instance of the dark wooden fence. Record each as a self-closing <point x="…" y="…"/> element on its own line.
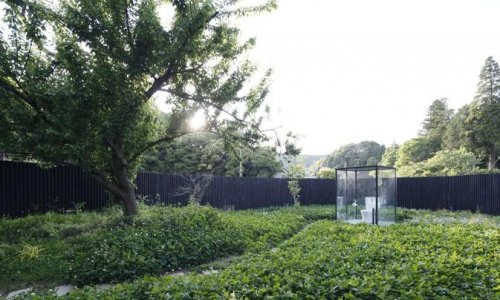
<point x="471" y="192"/>
<point x="234" y="192"/>
<point x="26" y="188"/>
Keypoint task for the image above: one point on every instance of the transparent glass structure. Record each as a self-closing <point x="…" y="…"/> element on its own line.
<point x="366" y="194"/>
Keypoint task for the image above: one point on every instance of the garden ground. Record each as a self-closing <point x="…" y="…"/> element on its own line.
<point x="291" y="253"/>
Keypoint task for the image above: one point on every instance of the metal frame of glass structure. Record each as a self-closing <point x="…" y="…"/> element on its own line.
<point x="366" y="194"/>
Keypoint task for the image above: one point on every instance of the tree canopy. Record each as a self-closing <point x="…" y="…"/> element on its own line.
<point x="360" y="154"/>
<point x="484" y="114"/>
<point x="78" y="78"/>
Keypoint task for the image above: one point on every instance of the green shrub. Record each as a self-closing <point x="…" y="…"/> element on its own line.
<point x="341" y="261"/>
<point x="309" y="212"/>
<point x="174" y="239"/>
<point x="55" y="226"/>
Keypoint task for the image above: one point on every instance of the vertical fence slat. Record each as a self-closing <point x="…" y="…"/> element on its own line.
<point x="24" y="187"/>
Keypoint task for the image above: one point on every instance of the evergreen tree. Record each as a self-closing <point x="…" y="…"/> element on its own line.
<point x="435" y="124"/>
<point x="483" y="120"/>
<point x="455" y="135"/>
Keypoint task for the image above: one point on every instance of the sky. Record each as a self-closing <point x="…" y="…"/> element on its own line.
<point x="348" y="71"/>
<point x="345" y="71"/>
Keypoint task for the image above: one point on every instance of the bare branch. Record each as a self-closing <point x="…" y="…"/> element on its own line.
<point x="197" y="187"/>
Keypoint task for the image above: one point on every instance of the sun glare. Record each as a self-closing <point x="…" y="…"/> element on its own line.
<point x="198" y="120"/>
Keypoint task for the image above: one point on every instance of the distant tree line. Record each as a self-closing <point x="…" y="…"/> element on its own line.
<point x="206" y="153"/>
<point x="449" y="142"/>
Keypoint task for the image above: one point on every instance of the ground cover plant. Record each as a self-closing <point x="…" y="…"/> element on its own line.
<point x="330" y="260"/>
<point x="101" y="247"/>
<point x="309" y="212"/>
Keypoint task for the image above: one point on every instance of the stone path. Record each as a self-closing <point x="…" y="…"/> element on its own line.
<point x="59" y="291"/>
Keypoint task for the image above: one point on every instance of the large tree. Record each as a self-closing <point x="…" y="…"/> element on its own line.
<point x="415" y="150"/>
<point x="77" y="80"/>
<point x="360" y="154"/>
<point x="483" y="119"/>
<point x="455" y="136"/>
<point x="435" y="123"/>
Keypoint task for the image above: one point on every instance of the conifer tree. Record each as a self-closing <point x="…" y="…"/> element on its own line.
<point x="483" y="120"/>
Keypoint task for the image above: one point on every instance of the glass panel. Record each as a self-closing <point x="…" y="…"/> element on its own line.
<point x="365" y="196"/>
<point x="387" y="196"/>
<point x="341" y="190"/>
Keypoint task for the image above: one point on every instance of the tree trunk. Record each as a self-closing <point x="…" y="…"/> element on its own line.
<point x="129" y="204"/>
<point x="127" y="196"/>
<point x="492" y="161"/>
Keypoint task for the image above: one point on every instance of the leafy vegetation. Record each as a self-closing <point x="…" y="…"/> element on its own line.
<point x="99" y="247"/>
<point x="207" y="154"/>
<point x="173" y="239"/>
<point x="453" y="143"/>
<point x="78" y="81"/>
<point x="336" y="260"/>
<point x="449" y="143"/>
<point x="361" y="154"/>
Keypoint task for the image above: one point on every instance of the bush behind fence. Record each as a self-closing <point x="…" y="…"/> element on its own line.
<point x="26" y="188"/>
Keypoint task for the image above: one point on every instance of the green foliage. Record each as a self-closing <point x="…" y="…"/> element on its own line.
<point x="50" y="266"/>
<point x="55" y="226"/>
<point x="326" y="173"/>
<point x="258" y="162"/>
<point x="443" y="163"/>
<point x="423" y="216"/>
<point x="207" y="154"/>
<point x="455" y="135"/>
<point x="414" y="151"/>
<point x="342" y="261"/>
<point x="450" y="163"/>
<point x="390" y="156"/>
<point x="77" y="81"/>
<point x="360" y="154"/>
<point x="172" y="239"/>
<point x="296" y="170"/>
<point x="435" y="124"/>
<point x="309" y="212"/>
<point x="29" y="252"/>
<point x="294" y="188"/>
<point x="482" y="120"/>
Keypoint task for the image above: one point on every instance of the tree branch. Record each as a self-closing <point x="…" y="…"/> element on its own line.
<point x="164" y="139"/>
<point x="102" y="180"/>
<point x="117" y="151"/>
<point x="165" y="78"/>
<point x="205" y="100"/>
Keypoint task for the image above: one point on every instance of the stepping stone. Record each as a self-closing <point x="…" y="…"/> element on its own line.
<point x="102" y="287"/>
<point x="14" y="294"/>
<point x="63" y="289"/>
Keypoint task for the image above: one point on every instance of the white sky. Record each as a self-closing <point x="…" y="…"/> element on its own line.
<point x="353" y="70"/>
